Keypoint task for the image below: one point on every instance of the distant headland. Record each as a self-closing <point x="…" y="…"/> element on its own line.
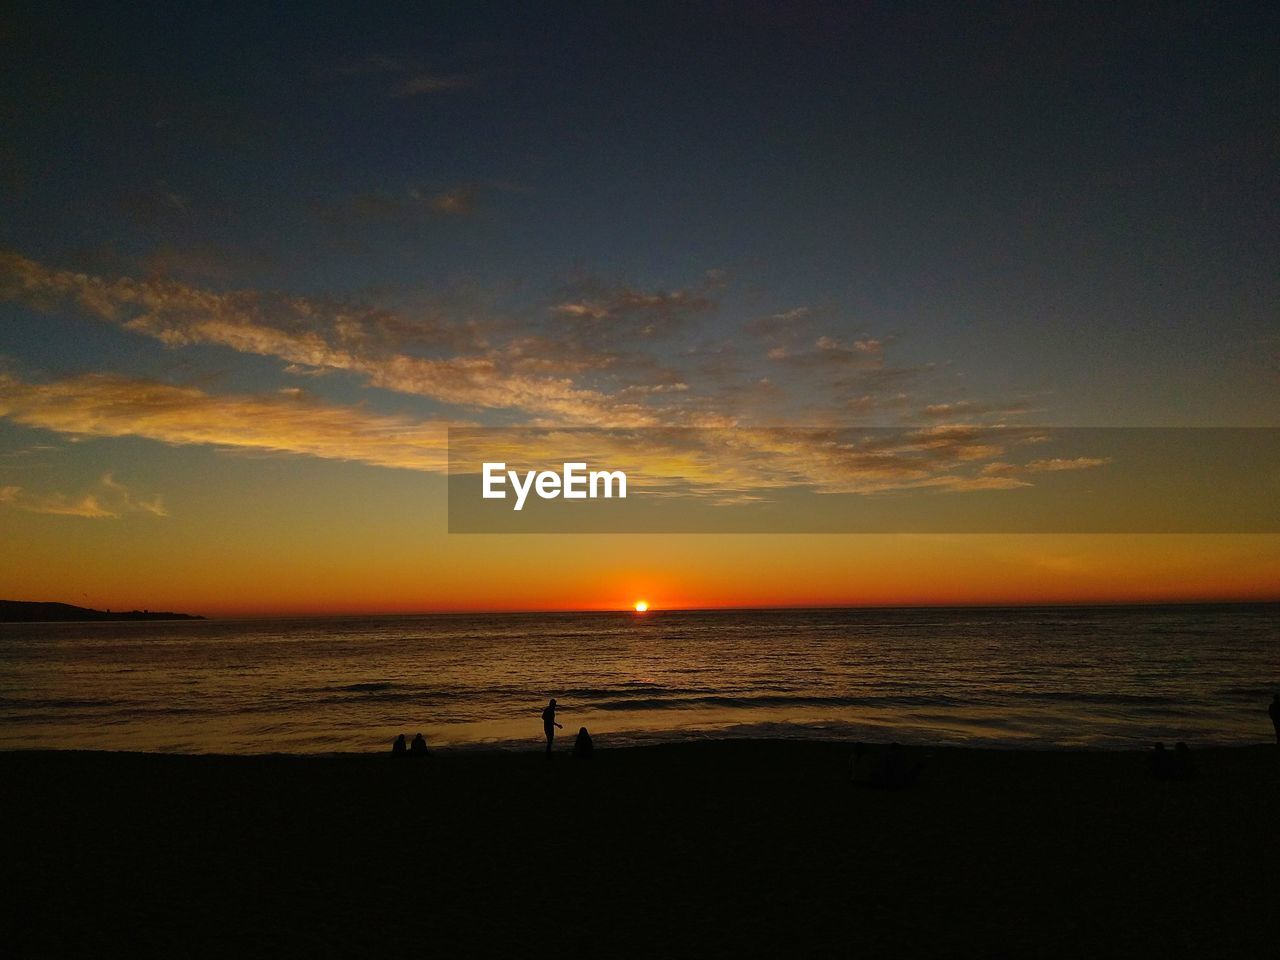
<point x="22" y="611"/>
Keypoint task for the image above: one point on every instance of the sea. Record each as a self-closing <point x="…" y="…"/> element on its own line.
<point x="1027" y="677"/>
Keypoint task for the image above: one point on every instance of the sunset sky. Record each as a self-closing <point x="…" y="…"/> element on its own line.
<point x="254" y="263"/>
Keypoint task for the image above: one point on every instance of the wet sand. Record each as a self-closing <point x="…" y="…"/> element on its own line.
<point x="728" y="848"/>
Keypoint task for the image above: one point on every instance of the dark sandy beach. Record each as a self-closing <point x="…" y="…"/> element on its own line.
<point x="699" y="849"/>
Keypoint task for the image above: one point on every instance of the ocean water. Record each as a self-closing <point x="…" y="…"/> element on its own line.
<point x="1083" y="676"/>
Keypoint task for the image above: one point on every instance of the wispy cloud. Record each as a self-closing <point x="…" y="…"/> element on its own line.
<point x="154" y="203"/>
<point x="412" y="204"/>
<point x="407" y="78"/>
<point x="110" y="500"/>
<point x="741" y="465"/>
<point x="1000" y="468"/>
<point x="827" y="351"/>
<point x="309" y="335"/>
<point x="1058" y="464"/>
<point x="971" y="408"/>
<point x="737" y="463"/>
<point x="576" y="371"/>
<point x="644" y="313"/>
<point x="102" y="405"/>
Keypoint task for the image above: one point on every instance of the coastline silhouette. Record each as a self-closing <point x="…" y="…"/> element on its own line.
<point x="549" y="724"/>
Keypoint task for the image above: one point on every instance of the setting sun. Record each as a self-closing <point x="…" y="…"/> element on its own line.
<point x="642" y="606"/>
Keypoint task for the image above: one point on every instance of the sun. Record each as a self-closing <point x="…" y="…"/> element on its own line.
<point x="642" y="606"/>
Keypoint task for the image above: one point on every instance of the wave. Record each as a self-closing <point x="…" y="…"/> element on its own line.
<point x="70" y="703"/>
<point x="769" y="700"/>
<point x="1124" y="699"/>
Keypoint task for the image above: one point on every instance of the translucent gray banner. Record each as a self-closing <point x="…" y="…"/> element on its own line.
<point x="953" y="479"/>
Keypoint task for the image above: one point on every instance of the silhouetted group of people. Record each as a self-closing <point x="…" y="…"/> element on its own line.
<point x="417" y="749"/>
<point x="582" y="745"/>
<point x="583" y="748"/>
<point x="1177" y="764"/>
<point x="872" y="766"/>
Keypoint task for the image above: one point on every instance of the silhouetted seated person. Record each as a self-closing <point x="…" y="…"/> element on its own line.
<point x="1274" y="710"/>
<point x="419" y="747"/>
<point x="398" y="749"/>
<point x="582" y="747"/>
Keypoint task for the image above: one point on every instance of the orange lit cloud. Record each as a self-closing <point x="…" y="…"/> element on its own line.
<point x="602" y="332"/>
<point x="730" y="465"/>
<point x="314" y="337"/>
<point x="102" y="405"/>
<point x="303" y="333"/>
<point x="110" y="500"/>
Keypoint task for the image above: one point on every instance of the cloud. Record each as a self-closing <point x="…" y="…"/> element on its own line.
<point x="409" y="79"/>
<point x="156" y="203"/>
<point x="970" y="408"/>
<point x="410" y="204"/>
<point x="415" y="82"/>
<point x="780" y="326"/>
<point x="580" y="368"/>
<point x="169" y="261"/>
<point x="651" y="388"/>
<point x="872" y="402"/>
<point x="456" y="202"/>
<point x="308" y="334"/>
<point x="111" y="500"/>
<point x="716" y="463"/>
<point x="103" y="405"/>
<point x="604" y="332"/>
<point x="617" y="339"/>
<point x="1054" y="465"/>
<point x="1058" y="464"/>
<point x="844" y="366"/>
<point x="641" y="313"/>
<point x="827" y="351"/>
<point x="738" y="464"/>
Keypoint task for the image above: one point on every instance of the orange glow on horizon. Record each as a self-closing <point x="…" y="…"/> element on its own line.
<point x="270" y="557"/>
<point x="641" y="606"/>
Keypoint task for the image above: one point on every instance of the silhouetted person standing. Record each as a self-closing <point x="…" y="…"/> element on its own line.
<point x="1274" y="710"/>
<point x="419" y="747"/>
<point x="398" y="748"/>
<point x="582" y="747"/>
<point x="549" y="724"/>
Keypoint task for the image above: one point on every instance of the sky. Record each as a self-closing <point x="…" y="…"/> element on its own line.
<point x="255" y="262"/>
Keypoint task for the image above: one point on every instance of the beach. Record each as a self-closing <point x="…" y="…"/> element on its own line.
<point x="717" y="848"/>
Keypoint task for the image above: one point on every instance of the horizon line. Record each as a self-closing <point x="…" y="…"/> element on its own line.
<point x="764" y="608"/>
